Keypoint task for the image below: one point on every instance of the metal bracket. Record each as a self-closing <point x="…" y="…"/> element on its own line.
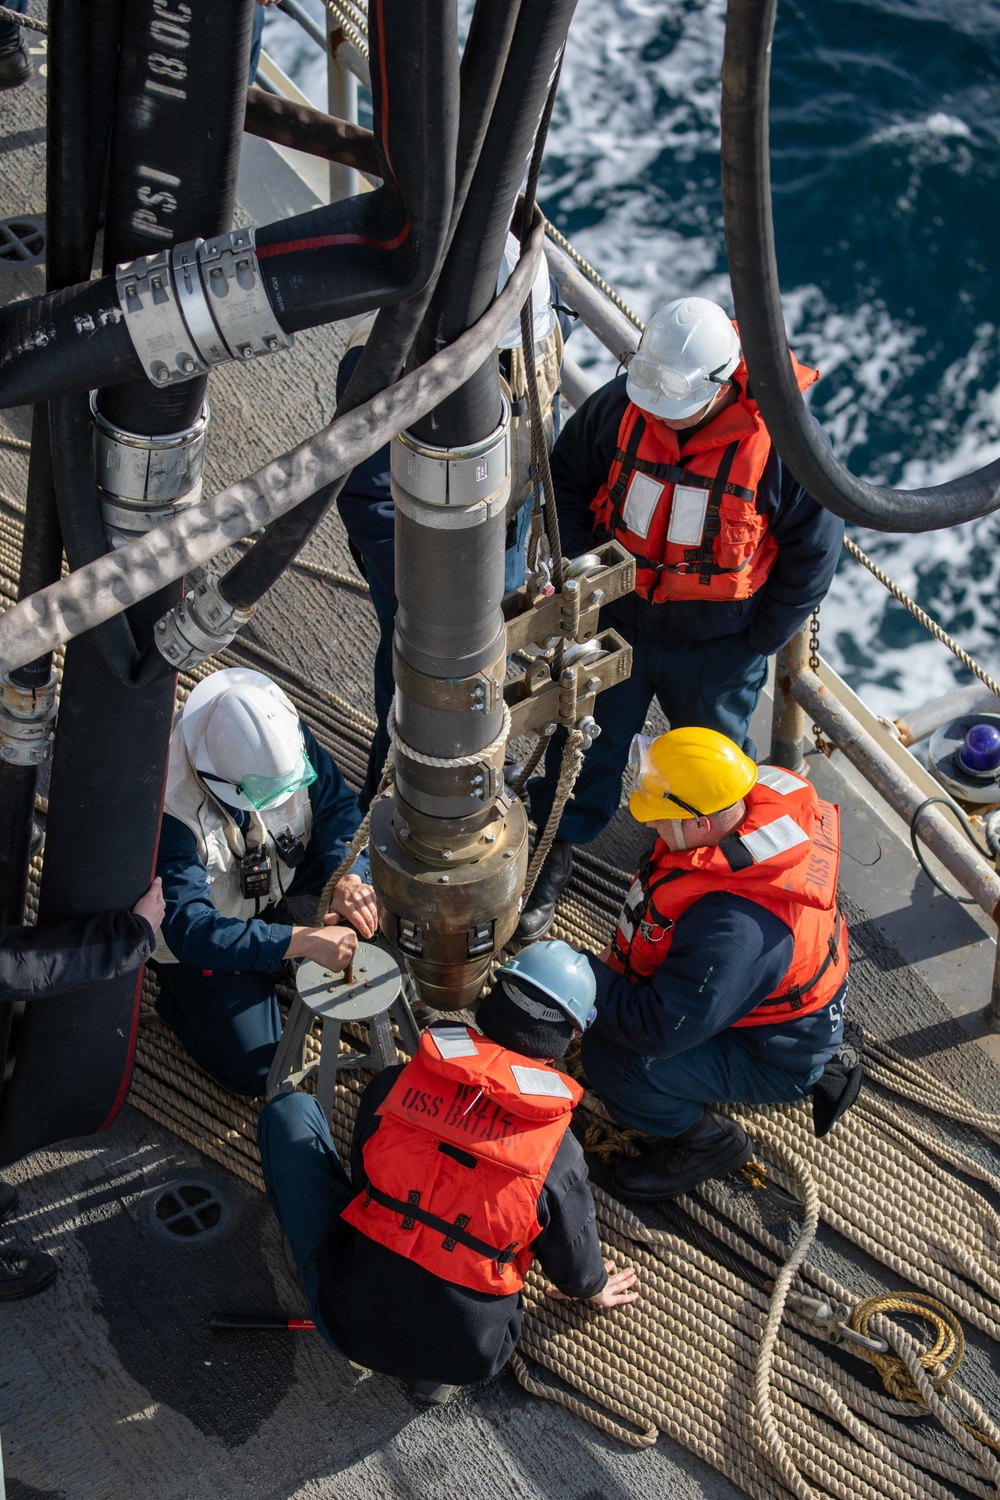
<point x="602" y="575"/>
<point x="27" y="722"/>
<point x="197" y="305"/>
<point x="536" y="699"/>
<point x="481" y="692"/>
<point x="202" y="624"/>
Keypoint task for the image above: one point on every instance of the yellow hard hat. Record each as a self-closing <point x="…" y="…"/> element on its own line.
<point x="686" y="773"/>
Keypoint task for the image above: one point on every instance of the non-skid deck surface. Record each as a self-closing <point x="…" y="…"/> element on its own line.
<point x="110" y="1383"/>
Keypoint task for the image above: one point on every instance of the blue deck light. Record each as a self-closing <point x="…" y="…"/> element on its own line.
<point x="980" y="752"/>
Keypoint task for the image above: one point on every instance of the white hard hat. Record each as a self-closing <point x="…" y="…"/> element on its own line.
<point x="688" y="351"/>
<point x="243" y="738"/>
<point x="543" y="313"/>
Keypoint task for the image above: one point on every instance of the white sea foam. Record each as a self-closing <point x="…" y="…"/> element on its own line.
<point x="640" y="78"/>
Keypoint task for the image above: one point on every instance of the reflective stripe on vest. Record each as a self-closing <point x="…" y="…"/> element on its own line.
<point x="466" y="1137"/>
<point x="785" y="857"/>
<point x="735" y="551"/>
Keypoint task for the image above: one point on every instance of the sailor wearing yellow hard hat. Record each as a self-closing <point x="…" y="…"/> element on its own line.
<point x="726" y="977"/>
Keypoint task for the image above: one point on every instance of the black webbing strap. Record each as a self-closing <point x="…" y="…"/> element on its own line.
<point x="648" y="889"/>
<point x="454" y="1234"/>
<point x="793" y="997"/>
<point x="629" y="464"/>
<point x="704" y="555"/>
<point x="738" y="856"/>
<point x="627" y="461"/>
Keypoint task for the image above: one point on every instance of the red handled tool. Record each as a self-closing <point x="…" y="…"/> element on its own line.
<point x="236" y="1322"/>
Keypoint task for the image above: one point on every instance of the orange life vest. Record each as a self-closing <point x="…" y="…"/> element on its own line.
<point x="785" y="857"/>
<point x="726" y="458"/>
<point x="466" y="1138"/>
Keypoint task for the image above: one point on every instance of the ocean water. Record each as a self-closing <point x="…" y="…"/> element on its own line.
<point x="885" y="138"/>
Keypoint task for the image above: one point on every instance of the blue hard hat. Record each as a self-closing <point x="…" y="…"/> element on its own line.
<point x="553" y="968"/>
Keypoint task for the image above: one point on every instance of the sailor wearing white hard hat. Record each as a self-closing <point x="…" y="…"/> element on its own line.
<point x="732" y="555"/>
<point x="254" y="810"/>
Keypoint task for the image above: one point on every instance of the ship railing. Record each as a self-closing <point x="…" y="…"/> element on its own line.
<point x="806" y="688"/>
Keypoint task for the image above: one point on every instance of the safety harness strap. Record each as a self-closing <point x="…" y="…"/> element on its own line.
<point x="793" y="997"/>
<point x="454" y="1234"/>
<point x="704" y="555"/>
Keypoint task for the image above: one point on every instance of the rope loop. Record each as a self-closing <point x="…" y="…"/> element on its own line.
<point x="940" y="1361"/>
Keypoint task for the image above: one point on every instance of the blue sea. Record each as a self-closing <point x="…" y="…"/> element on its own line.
<point x="885" y="134"/>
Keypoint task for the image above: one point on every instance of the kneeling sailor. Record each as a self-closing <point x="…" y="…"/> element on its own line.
<point x="463" y="1170"/>
<point x="727" y="975"/>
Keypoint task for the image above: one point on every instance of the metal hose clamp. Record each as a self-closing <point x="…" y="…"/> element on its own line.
<point x="196" y="305"/>
<point x="454" y="476"/>
<point x="144" y="479"/>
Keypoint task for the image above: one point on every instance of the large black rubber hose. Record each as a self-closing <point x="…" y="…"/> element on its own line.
<point x="331" y="263"/>
<point x="72" y="439"/>
<point x="385" y="353"/>
<point x="746" y="193"/>
<point x="468" y="281"/>
<point x="178" y="117"/>
<point x="77" y="129"/>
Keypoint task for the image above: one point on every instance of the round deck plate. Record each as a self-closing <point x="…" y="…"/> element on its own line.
<point x="375" y="986"/>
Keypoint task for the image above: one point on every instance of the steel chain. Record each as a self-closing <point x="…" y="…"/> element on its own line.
<point x="824" y="746"/>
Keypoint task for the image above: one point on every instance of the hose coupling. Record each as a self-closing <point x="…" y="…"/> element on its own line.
<point x="200" y="625"/>
<point x="196" y="305"/>
<point x="27" y="722"/>
<point x="144" y="479"/>
<point x="454" y="478"/>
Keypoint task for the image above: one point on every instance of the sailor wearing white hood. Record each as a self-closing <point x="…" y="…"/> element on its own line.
<point x="255" y="810"/>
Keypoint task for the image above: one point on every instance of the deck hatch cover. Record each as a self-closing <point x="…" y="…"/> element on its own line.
<point x="188" y="1209"/>
<point x="22" y="241"/>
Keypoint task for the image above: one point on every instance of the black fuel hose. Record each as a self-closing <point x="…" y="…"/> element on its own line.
<point x="385" y="353"/>
<point x="77" y="130"/>
<point x="330" y="263"/>
<point x="72" y="438"/>
<point x="177" y="129"/>
<point x="468" y="281"/>
<point x="746" y="193"/>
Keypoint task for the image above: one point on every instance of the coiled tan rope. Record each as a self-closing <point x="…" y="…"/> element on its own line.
<point x="569" y="770"/>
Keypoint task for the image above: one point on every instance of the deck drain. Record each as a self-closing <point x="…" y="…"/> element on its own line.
<point x="190" y="1209"/>
<point x="22" y="241"/>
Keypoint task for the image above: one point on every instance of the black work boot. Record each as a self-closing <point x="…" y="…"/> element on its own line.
<point x="8" y="1201"/>
<point x="14" y="65"/>
<point x="553" y="878"/>
<point x="23" y="1273"/>
<point x="711" y="1147"/>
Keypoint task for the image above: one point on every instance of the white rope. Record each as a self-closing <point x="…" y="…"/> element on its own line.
<point x="496" y="747"/>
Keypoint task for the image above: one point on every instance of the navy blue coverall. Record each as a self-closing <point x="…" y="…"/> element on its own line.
<point x="705" y="663"/>
<point x="380" y="1309"/>
<point x="661" y="1049"/>
<point x="220" y="997"/>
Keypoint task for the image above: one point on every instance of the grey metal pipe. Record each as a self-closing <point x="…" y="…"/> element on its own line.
<point x="953" y="850"/>
<point x="576" y="383"/>
<point x="788" y="722"/>
<point x="917" y="724"/>
<point x="104" y="588"/>
<point x="600" y="314"/>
